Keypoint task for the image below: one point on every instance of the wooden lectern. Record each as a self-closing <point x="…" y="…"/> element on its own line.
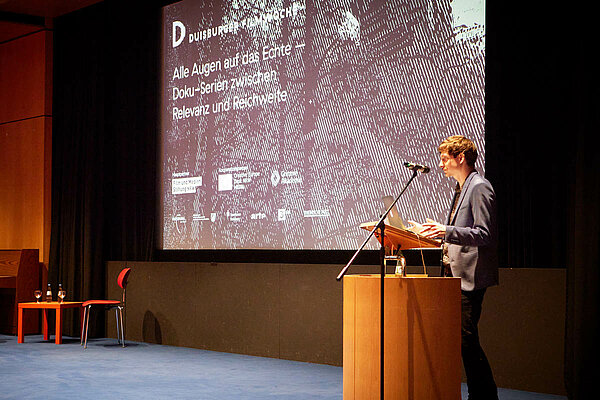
<point x="421" y="335"/>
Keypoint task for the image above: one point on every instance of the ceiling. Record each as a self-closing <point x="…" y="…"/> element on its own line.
<point x="44" y="8"/>
<point x="21" y="17"/>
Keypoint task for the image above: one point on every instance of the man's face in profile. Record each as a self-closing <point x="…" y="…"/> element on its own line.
<point x="450" y="165"/>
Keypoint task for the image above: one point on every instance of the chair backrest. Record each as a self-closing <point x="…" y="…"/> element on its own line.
<point x="122" y="281"/>
<point x="122" y="278"/>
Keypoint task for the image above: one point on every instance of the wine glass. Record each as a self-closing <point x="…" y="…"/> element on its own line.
<point x="61" y="295"/>
<point x="37" y="294"/>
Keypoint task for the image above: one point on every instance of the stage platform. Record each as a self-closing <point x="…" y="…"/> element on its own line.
<point x="42" y="369"/>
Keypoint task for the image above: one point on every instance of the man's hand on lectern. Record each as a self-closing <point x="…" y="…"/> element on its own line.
<point x="416" y="227"/>
<point x="433" y="229"/>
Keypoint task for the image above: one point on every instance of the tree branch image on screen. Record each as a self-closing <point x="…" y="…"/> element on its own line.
<point x="285" y="123"/>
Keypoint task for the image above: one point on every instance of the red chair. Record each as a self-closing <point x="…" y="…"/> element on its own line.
<point x="119" y="306"/>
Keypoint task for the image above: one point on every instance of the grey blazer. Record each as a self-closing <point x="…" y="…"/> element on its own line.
<point x="472" y="235"/>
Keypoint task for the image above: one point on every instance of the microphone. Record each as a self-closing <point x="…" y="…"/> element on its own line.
<point x="417" y="167"/>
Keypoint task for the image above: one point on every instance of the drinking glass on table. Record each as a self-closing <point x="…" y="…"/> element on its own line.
<point x="37" y="294"/>
<point x="61" y="295"/>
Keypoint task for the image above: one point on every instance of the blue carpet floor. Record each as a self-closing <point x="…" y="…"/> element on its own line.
<point x="40" y="369"/>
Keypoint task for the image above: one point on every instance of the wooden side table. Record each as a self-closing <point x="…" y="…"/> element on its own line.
<point x="45" y="306"/>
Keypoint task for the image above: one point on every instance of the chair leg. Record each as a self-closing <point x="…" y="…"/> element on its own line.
<point x="118" y="329"/>
<point x="83" y="324"/>
<point x="87" y="326"/>
<point x="122" y="327"/>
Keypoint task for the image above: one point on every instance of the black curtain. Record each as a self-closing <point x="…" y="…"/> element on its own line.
<point x="582" y="351"/>
<point x="104" y="145"/>
<point x="541" y="128"/>
<point x="541" y="123"/>
<point x="529" y="85"/>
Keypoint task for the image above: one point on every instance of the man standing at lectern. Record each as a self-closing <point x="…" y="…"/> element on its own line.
<point x="469" y="252"/>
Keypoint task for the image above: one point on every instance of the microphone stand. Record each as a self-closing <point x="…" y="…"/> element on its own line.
<point x="381" y="226"/>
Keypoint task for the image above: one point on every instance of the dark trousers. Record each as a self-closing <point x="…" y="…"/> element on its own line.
<point x="480" y="380"/>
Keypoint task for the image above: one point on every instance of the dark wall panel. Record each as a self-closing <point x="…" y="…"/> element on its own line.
<point x="310" y="313"/>
<point x="237" y="308"/>
<point x="294" y="312"/>
<point x="522" y="329"/>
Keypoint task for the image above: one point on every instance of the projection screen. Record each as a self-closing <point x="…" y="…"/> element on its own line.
<point x="284" y="123"/>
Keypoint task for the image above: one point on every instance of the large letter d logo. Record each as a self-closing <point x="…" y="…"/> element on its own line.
<point x="178" y="36"/>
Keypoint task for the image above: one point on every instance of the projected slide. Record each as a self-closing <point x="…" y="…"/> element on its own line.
<point x="284" y="123"/>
